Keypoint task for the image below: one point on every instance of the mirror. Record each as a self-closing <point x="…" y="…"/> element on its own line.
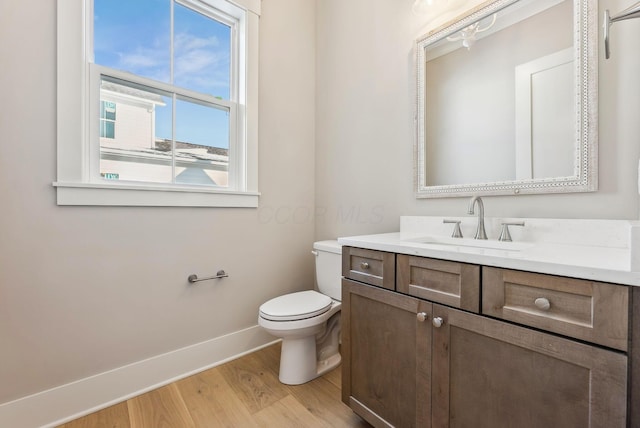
<point x="507" y="100"/>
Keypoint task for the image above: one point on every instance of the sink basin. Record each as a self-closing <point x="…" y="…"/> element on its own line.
<point x="473" y="243"/>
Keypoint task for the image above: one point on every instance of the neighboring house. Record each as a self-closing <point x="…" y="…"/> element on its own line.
<point x="127" y="116"/>
<point x="130" y="150"/>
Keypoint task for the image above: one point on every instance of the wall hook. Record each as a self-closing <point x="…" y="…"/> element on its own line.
<point x="629" y="13"/>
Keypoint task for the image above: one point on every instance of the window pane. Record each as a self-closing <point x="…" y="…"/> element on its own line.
<point x="107" y="110"/>
<point x="134" y="36"/>
<point x="202" y="48"/>
<point x="202" y="144"/>
<point x="107" y="129"/>
<point x="107" y="119"/>
<point x="140" y="150"/>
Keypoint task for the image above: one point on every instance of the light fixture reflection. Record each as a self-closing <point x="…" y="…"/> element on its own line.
<point x="422" y="6"/>
<point x="468" y="34"/>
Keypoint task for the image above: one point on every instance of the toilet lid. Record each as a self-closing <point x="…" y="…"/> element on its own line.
<point x="295" y="306"/>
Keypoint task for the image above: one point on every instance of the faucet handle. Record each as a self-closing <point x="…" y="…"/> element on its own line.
<point x="457" y="233"/>
<point x="504" y="233"/>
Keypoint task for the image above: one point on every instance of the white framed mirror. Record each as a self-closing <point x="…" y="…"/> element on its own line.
<point x="507" y="101"/>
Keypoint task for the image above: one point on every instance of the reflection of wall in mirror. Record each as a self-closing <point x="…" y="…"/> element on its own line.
<point x="470" y="101"/>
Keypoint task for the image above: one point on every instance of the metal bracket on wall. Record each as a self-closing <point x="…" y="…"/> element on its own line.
<point x="631" y="12"/>
<point x="194" y="278"/>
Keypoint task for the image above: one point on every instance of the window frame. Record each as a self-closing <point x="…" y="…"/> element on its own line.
<point x="78" y="118"/>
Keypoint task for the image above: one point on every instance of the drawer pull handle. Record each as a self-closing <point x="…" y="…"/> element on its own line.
<point x="422" y="316"/>
<point x="542" y="303"/>
<point x="364" y="265"/>
<point x="437" y="322"/>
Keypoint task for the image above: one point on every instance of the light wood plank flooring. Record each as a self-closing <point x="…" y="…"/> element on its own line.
<point x="242" y="393"/>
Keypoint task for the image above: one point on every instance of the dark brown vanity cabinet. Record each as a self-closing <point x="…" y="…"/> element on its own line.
<point x="427" y="360"/>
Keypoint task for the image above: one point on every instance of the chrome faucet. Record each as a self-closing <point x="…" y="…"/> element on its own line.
<point x="480" y="233"/>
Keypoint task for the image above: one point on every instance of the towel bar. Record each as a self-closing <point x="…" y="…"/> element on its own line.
<point x="629" y="13"/>
<point x="194" y="278"/>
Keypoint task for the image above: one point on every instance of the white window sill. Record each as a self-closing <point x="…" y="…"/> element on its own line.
<point x="157" y="196"/>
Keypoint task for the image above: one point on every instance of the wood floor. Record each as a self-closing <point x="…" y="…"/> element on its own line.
<point x="242" y="393"/>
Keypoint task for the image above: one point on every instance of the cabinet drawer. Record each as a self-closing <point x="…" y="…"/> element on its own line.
<point x="450" y="283"/>
<point x="592" y="311"/>
<point x="369" y="266"/>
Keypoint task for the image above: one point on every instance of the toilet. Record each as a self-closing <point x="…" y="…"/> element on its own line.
<point x="308" y="322"/>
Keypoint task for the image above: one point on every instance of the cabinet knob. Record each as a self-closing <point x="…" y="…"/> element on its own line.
<point x="364" y="265"/>
<point x="437" y="322"/>
<point x="542" y="303"/>
<point x="422" y="316"/>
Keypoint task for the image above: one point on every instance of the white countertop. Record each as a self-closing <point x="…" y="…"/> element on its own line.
<point x="594" y="262"/>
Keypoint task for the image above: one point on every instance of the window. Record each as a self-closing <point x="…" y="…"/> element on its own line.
<point x="167" y="100"/>
<point x="107" y="119"/>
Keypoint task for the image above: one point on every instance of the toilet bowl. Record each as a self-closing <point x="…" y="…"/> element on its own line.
<point x="308" y="322"/>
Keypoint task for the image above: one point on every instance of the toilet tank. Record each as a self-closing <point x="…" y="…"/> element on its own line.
<point x="329" y="268"/>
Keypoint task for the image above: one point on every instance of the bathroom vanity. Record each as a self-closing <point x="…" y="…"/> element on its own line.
<point x="442" y="330"/>
<point x="492" y="334"/>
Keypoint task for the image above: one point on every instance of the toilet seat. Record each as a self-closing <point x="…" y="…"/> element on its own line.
<point x="296" y="306"/>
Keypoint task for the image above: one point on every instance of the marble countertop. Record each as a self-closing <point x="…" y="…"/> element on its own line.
<point x="593" y="262"/>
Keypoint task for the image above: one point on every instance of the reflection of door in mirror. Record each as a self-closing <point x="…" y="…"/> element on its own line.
<point x="545" y="130"/>
<point x="504" y="109"/>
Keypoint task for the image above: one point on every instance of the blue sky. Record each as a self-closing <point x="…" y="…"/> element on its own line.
<point x="134" y="35"/>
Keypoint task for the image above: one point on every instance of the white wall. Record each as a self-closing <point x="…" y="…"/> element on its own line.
<point x="87" y="289"/>
<point x="365" y="130"/>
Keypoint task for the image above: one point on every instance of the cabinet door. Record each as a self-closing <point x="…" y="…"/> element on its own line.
<point x="386" y="349"/>
<point x="488" y="373"/>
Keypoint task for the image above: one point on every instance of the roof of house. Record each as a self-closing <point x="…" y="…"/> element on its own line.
<point x="132" y="92"/>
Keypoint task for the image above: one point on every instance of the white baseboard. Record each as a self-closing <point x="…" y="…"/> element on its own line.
<point x="73" y="400"/>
